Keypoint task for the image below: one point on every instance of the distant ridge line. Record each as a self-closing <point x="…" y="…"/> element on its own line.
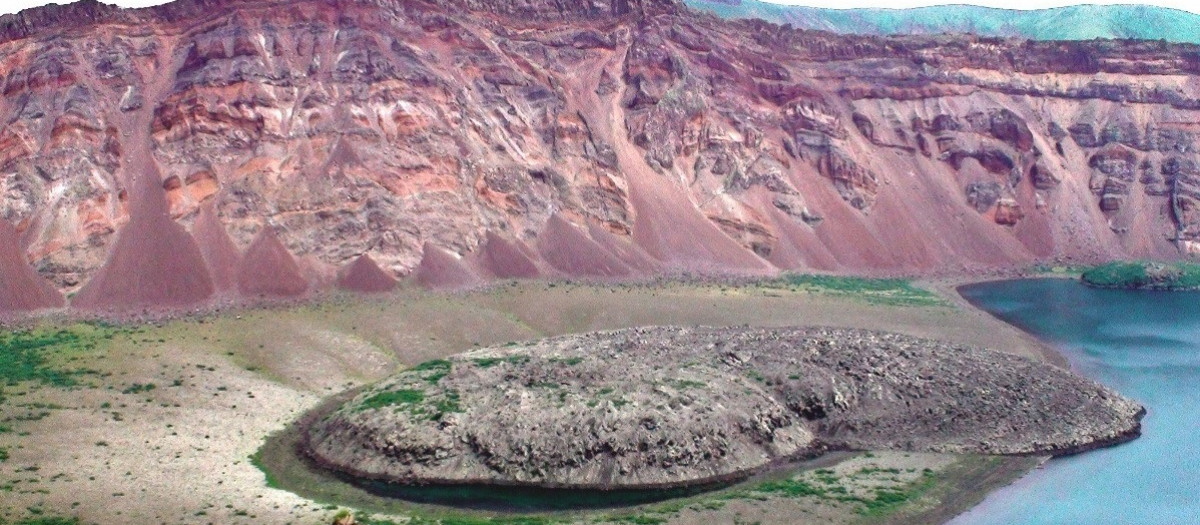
<point x="1078" y="22"/>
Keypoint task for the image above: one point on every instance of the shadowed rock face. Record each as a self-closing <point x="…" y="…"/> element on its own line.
<point x="677" y="141"/>
<point x="654" y="407"/>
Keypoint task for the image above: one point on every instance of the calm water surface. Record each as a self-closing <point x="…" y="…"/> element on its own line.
<point x="1147" y="346"/>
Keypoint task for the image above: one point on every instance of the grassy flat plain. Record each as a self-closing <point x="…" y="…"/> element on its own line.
<point x="158" y="423"/>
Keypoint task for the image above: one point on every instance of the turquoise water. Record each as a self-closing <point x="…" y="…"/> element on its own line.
<point x="1146" y="345"/>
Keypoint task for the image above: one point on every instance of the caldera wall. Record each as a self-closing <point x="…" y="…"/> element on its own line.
<point x="618" y="140"/>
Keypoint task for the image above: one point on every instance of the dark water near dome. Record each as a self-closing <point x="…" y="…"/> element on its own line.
<point x="1146" y="345"/>
<point x="525" y="499"/>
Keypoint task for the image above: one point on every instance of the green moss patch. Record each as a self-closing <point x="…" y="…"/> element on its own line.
<point x="1144" y="274"/>
<point x="391" y="399"/>
<point x="488" y="362"/>
<point x="37" y="355"/>
<point x="433" y="371"/>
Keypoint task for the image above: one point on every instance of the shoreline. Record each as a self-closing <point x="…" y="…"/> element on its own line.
<point x="949" y="289"/>
<point x="249" y="372"/>
<point x="230" y="303"/>
<point x="982" y="481"/>
<point x="990" y="482"/>
<point x="1051" y="354"/>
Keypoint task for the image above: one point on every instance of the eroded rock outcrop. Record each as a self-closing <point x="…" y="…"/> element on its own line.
<point x="693" y="405"/>
<point x="154" y="262"/>
<point x="677" y="142"/>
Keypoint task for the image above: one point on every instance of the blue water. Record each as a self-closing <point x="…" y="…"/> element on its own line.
<point x="1144" y="344"/>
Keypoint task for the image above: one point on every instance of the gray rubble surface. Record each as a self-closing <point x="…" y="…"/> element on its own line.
<point x="672" y="406"/>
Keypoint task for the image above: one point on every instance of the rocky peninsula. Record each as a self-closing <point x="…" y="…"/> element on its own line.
<point x="670" y="406"/>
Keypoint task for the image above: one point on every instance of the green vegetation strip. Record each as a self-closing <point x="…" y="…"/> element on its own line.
<point x="392" y="398"/>
<point x="30" y="355"/>
<point x="1144" y="274"/>
<point x="46" y="520"/>
<point x="433" y="405"/>
<point x="888" y="292"/>
<point x="45" y="356"/>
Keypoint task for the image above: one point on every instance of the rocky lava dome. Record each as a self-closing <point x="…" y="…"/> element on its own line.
<point x="668" y="406"/>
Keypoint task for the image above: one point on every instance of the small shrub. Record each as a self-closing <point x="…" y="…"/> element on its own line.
<point x="48" y="520"/>
<point x="436" y="364"/>
<point x="488" y="362"/>
<point x="138" y="388"/>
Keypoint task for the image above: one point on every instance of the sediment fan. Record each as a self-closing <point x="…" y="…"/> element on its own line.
<point x="666" y="406"/>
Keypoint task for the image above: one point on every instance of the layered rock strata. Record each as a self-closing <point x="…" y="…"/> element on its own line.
<point x="606" y="139"/>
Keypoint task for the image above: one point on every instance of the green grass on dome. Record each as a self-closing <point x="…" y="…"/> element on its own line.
<point x="1144" y="274"/>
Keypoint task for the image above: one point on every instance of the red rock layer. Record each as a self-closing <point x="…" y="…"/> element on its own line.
<point x="220" y="253"/>
<point x="363" y="275"/>
<point x="440" y="269"/>
<point x="268" y="269"/>
<point x="21" y="288"/>
<point x="683" y="142"/>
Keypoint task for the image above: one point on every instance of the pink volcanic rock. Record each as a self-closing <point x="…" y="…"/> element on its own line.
<point x="154" y="262"/>
<point x="441" y="269"/>
<point x="363" y="275"/>
<point x="507" y="259"/>
<point x="570" y="250"/>
<point x="268" y="268"/>
<point x="220" y="253"/>
<point x="778" y="149"/>
<point x="21" y="288"/>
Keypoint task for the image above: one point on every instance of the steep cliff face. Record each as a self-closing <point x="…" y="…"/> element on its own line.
<point x="595" y="138"/>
